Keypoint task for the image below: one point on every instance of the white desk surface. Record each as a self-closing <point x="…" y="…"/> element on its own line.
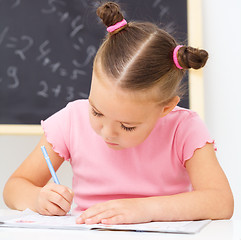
<point x="216" y="230"/>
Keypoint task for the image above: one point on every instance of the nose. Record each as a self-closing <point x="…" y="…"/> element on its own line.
<point x="109" y="131"/>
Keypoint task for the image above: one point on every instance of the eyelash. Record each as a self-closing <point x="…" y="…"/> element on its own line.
<point x="96" y="114"/>
<point x="128" y="129"/>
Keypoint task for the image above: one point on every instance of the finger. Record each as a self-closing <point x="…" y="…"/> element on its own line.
<point x="58" y="200"/>
<point x="99" y="217"/>
<point x="64" y="191"/>
<point x="94" y="210"/>
<point x="46" y="212"/>
<point x="89" y="213"/>
<point x="54" y="210"/>
<point x="117" y="219"/>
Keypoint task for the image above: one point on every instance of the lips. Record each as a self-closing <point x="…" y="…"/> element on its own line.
<point x="113" y="144"/>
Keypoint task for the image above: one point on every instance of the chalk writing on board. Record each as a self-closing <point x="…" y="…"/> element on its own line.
<point x="12" y="73"/>
<point x="90" y="52"/>
<point x="3" y="34"/>
<point x="70" y="94"/>
<point x="52" y="6"/>
<point x="21" y="45"/>
<point x="44" y="51"/>
<point x="76" y="26"/>
<point x="17" y="2"/>
<point x="47" y="50"/>
<point x="163" y="11"/>
<point x="24" y="40"/>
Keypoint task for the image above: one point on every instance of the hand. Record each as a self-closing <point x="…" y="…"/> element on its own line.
<point x="54" y="199"/>
<point x="134" y="210"/>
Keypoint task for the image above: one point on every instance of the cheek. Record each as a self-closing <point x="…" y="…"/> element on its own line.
<point x="95" y="124"/>
<point x="140" y="136"/>
<point x="134" y="138"/>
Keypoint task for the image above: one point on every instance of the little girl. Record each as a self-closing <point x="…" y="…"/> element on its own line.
<point x="136" y="156"/>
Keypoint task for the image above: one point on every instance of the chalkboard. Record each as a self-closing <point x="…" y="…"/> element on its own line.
<point x="47" y="49"/>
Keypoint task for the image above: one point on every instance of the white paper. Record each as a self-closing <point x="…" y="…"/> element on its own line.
<point x="30" y="219"/>
<point x="168" y="227"/>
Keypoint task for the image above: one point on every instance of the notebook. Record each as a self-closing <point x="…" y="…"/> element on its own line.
<point x="30" y="219"/>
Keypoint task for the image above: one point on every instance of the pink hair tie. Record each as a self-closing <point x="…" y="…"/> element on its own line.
<point x="117" y="26"/>
<point x="175" y="56"/>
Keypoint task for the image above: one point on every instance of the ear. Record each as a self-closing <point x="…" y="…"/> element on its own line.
<point x="170" y="106"/>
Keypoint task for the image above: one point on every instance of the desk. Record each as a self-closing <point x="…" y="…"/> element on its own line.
<point x="216" y="230"/>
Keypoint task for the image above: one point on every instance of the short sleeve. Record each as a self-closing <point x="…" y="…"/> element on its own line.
<point x="57" y="131"/>
<point x="191" y="134"/>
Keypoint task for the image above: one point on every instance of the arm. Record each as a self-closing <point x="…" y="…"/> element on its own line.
<point x="211" y="198"/>
<point x="28" y="186"/>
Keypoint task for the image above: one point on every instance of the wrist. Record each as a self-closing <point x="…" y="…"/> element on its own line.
<point x="158" y="208"/>
<point x="149" y="208"/>
<point x="33" y="203"/>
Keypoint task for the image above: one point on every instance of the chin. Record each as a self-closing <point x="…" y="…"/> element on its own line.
<point x="119" y="147"/>
<point x="115" y="147"/>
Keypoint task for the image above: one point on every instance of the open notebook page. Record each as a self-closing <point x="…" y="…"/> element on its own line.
<point x="30" y="219"/>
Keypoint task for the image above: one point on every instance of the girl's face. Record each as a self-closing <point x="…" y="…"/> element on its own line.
<point x="122" y="119"/>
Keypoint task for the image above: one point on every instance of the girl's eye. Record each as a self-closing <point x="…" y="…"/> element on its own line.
<point x="96" y="114"/>
<point x="128" y="129"/>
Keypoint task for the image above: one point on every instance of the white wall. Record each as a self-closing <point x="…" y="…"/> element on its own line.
<point x="222" y="84"/>
<point x="13" y="150"/>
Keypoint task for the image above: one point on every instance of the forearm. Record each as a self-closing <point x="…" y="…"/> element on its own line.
<point x="195" y="205"/>
<point x="20" y="194"/>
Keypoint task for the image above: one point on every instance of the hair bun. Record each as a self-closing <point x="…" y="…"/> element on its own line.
<point x="189" y="57"/>
<point x="110" y="13"/>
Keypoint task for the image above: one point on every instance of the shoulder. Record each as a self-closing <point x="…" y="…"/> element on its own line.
<point x="81" y="104"/>
<point x="176" y="125"/>
<point x="180" y="118"/>
<point x="182" y="114"/>
<point x="187" y="121"/>
<point x="62" y="128"/>
<point x="75" y="109"/>
<point x="191" y="133"/>
<point x="73" y="114"/>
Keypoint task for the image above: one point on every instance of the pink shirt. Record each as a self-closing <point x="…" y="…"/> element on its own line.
<point x="153" y="168"/>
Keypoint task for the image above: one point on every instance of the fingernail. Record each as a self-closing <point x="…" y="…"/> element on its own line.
<point x="70" y="190"/>
<point x="88" y="221"/>
<point x="104" y="221"/>
<point x="79" y="220"/>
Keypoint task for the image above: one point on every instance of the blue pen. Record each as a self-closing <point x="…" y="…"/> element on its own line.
<point x="51" y="169"/>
